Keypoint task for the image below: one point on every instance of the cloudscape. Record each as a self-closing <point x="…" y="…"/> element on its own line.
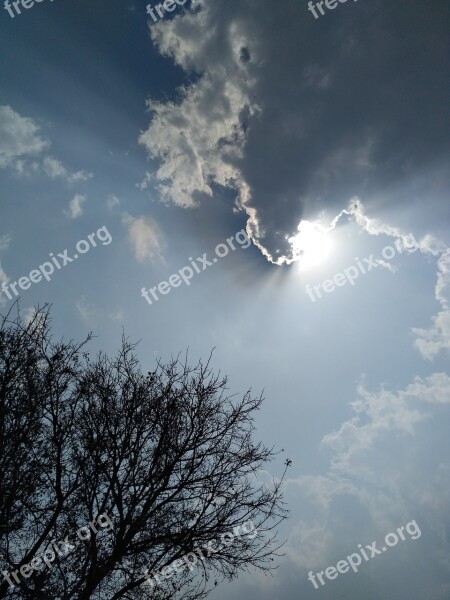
<point x="252" y="189"/>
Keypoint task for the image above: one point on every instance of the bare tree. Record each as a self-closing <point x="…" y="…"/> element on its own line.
<point x="38" y="403"/>
<point x="166" y="459"/>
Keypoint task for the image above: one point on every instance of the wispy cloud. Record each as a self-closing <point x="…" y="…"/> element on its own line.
<point x="374" y="468"/>
<point x="436" y="339"/>
<point x="112" y="201"/>
<point x="5" y="241"/>
<point x="19" y="139"/>
<point x="22" y="149"/>
<point x="55" y="169"/>
<point x="145" y="237"/>
<point x="85" y="310"/>
<point x="3" y="279"/>
<point x="117" y="315"/>
<point x="76" y="206"/>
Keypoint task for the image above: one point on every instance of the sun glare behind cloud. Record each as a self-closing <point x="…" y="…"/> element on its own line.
<point x="311" y="246"/>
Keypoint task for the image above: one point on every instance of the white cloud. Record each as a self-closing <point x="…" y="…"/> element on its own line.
<point x="383" y="412"/>
<point x="112" y="201"/>
<point x="3" y="279"/>
<point x="117" y="316"/>
<point x="28" y="315"/>
<point x="356" y="211"/>
<point x="434" y="389"/>
<point x="31" y="315"/>
<point x="22" y="148"/>
<point x="431" y="245"/>
<point x="309" y="544"/>
<point x="199" y="138"/>
<point x="76" y="206"/>
<point x="144" y="184"/>
<point x="3" y="276"/>
<point x="430" y="342"/>
<point x="193" y="139"/>
<point x="145" y="237"/>
<point x="378" y="473"/>
<point x="377" y="415"/>
<point x="90" y="312"/>
<point x="436" y="339"/>
<point x="19" y="138"/>
<point x="380" y="415"/>
<point x="85" y="310"/>
<point x="5" y="241"/>
<point x="55" y="169"/>
<point x="320" y="490"/>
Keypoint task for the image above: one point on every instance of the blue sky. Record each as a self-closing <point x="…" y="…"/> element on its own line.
<point x="254" y="115"/>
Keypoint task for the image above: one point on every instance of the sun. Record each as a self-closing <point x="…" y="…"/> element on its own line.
<point x="311" y="246"/>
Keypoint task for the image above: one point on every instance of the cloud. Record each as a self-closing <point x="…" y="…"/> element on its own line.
<point x="381" y="413"/>
<point x="76" y="206"/>
<point x="112" y="201"/>
<point x="32" y="315"/>
<point x="145" y="183"/>
<point x="90" y="312"/>
<point x="3" y="279"/>
<point x="19" y="138"/>
<point x="22" y="147"/>
<point x="55" y="169"/>
<point x="289" y="116"/>
<point x="117" y="315"/>
<point x="434" y="389"/>
<point x="145" y="237"/>
<point x="5" y="240"/>
<point x="436" y="339"/>
<point x="198" y="138"/>
<point x="3" y="276"/>
<point x="187" y="140"/>
<point x="356" y="212"/>
<point x="4" y="245"/>
<point x="376" y="477"/>
<point x="29" y="314"/>
<point x="85" y="310"/>
<point x="308" y="544"/>
<point x="382" y="469"/>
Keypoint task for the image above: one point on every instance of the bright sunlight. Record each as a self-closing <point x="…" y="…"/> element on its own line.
<point x="311" y="246"/>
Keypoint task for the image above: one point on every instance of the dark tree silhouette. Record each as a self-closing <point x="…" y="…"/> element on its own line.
<point x="162" y="465"/>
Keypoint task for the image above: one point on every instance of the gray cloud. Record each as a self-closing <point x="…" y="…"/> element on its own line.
<point x="298" y="115"/>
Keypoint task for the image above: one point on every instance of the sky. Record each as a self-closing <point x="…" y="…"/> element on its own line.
<point x="317" y="143"/>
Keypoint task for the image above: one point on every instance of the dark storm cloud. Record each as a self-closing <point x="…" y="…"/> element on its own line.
<point x="298" y="114"/>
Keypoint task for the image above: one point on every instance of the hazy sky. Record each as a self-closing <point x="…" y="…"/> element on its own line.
<point x="165" y="139"/>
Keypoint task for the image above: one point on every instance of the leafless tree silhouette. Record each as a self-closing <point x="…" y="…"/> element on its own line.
<point x="168" y="455"/>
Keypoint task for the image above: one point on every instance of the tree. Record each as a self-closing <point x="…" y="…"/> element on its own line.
<point x="158" y="474"/>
